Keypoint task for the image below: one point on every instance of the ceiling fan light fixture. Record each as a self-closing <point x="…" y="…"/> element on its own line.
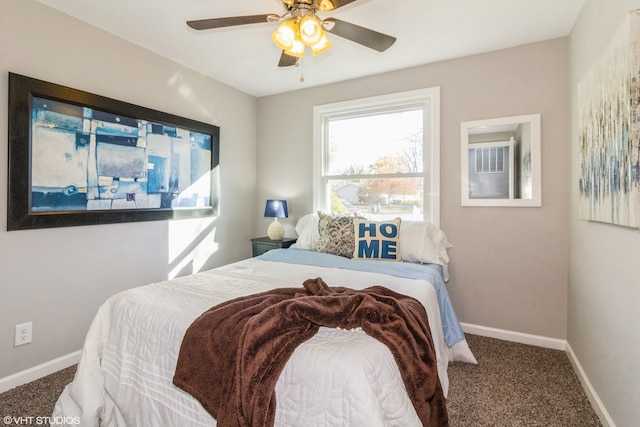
<point x="323" y="44"/>
<point x="300" y="27"/>
<point x="311" y="31"/>
<point x="285" y="35"/>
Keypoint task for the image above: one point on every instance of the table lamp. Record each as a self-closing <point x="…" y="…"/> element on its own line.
<point x="276" y="209"/>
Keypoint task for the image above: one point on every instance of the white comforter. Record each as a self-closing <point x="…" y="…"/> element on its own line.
<point x="339" y="377"/>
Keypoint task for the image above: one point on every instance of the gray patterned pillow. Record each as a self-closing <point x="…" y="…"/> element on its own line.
<point x="336" y="235"/>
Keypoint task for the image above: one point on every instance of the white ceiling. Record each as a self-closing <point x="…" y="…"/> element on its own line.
<point x="245" y="57"/>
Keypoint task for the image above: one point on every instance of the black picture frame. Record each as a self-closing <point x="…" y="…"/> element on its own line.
<point x="132" y="175"/>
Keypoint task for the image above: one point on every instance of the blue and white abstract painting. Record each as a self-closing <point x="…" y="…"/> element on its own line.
<point x="609" y="131"/>
<point x="85" y="159"/>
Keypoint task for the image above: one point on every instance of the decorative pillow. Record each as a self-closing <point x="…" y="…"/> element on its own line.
<point x="308" y="235"/>
<point x="424" y="242"/>
<point x="336" y="234"/>
<point x="377" y="239"/>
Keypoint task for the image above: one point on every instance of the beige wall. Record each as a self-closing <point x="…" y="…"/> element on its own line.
<point x="57" y="278"/>
<point x="509" y="265"/>
<point x="604" y="285"/>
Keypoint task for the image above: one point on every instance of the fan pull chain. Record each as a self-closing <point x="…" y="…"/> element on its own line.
<point x="301" y="64"/>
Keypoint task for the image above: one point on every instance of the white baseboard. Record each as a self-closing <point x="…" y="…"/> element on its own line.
<point x="593" y="397"/>
<point x="39" y="371"/>
<point x="519" y="337"/>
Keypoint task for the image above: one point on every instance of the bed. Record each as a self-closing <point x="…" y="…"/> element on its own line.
<point x="338" y="377"/>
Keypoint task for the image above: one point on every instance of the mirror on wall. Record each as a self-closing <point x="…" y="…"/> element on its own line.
<point x="501" y="164"/>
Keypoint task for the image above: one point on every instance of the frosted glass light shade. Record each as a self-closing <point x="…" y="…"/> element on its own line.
<point x="297" y="49"/>
<point x="321" y="46"/>
<point x="285" y="35"/>
<point x="293" y="35"/>
<point x="310" y="30"/>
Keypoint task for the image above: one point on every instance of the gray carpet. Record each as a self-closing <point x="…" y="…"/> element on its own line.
<point x="516" y="385"/>
<point x="35" y="400"/>
<point x="513" y="385"/>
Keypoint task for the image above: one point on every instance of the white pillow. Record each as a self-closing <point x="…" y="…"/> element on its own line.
<point x="424" y="242"/>
<point x="308" y="234"/>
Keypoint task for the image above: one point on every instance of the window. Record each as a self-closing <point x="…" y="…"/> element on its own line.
<point x="379" y="157"/>
<point x="490" y="159"/>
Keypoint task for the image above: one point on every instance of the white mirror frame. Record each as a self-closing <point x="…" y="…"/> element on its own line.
<point x="536" y="162"/>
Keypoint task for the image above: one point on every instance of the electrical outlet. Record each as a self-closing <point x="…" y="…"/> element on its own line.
<point x="23" y="334"/>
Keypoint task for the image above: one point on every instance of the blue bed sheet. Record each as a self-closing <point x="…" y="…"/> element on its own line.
<point x="430" y="272"/>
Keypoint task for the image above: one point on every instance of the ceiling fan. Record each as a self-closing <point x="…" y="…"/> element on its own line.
<point x="301" y="28"/>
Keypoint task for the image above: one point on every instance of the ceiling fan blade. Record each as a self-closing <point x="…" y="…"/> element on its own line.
<point x="287" y="60"/>
<point x="206" y="24"/>
<point x="361" y="35"/>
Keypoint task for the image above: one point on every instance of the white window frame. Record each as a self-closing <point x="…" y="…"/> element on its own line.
<point x="428" y="99"/>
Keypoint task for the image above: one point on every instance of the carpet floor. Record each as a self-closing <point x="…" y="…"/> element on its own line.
<point x="513" y="385"/>
<point x="516" y="385"/>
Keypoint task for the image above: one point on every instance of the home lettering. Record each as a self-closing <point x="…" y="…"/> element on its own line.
<point x="375" y="245"/>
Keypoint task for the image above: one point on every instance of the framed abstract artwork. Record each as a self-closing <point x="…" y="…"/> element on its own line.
<point x="76" y="158"/>
<point x="609" y="130"/>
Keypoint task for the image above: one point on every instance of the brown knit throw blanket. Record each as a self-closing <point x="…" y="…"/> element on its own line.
<point x="232" y="355"/>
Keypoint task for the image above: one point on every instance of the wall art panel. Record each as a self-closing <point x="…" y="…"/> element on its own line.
<point x="609" y="131"/>
<point x="79" y="159"/>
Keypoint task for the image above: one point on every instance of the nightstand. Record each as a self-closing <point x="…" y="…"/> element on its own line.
<point x="264" y="244"/>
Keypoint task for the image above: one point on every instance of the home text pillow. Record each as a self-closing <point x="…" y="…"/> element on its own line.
<point x="308" y="235"/>
<point x="336" y="234"/>
<point x="377" y="239"/>
<point x="424" y="242"/>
